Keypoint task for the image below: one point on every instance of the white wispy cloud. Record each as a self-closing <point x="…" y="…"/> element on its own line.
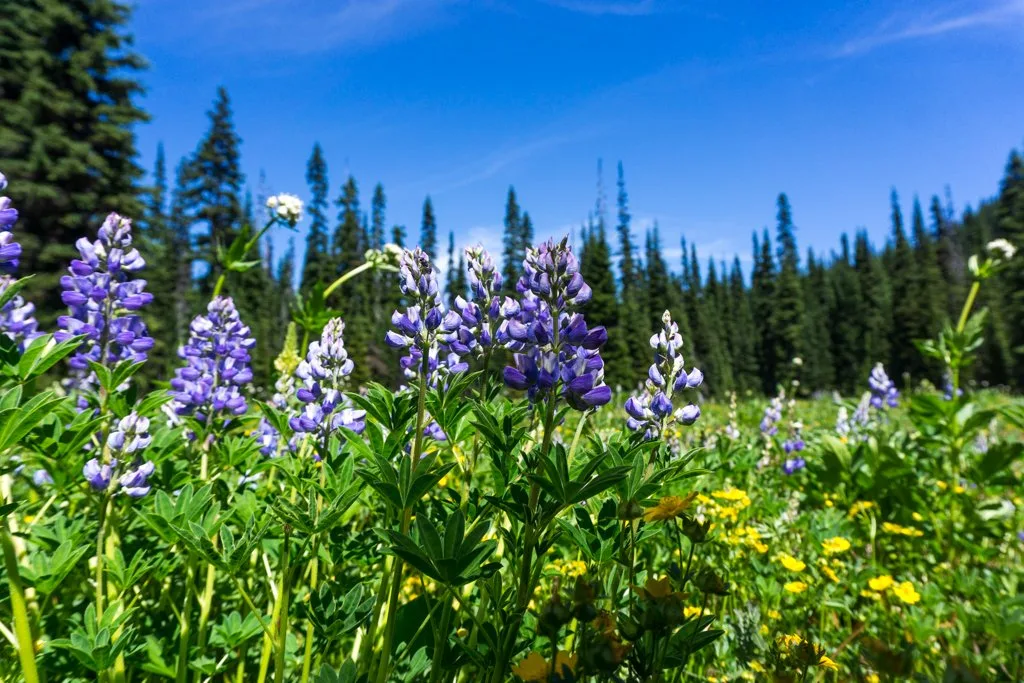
<point x="900" y="28"/>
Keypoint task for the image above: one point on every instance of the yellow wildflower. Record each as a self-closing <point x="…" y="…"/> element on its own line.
<point x="860" y="506"/>
<point x="774" y="614"/>
<point x="756" y="666"/>
<point x="791" y="563"/>
<point x="668" y="508"/>
<point x="835" y="545"/>
<point x="828" y="663"/>
<point x="958" y="489"/>
<point x="759" y="547"/>
<point x="896" y="529"/>
<point x="871" y="595"/>
<point x="691" y="612"/>
<point x="881" y="583"/>
<point x="795" y="586"/>
<point x="828" y="572"/>
<point x="917" y="516"/>
<point x="536" y="668"/>
<point x="788" y="640"/>
<point x="906" y="593"/>
<point x="941" y="485"/>
<point x="871" y="678"/>
<point x="764" y="629"/>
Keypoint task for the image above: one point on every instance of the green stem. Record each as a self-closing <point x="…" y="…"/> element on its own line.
<point x="282" y="623"/>
<point x="22" y="627"/>
<point x="252" y="608"/>
<point x="181" y="673"/>
<point x="396" y="578"/>
<point x="346" y="277"/>
<point x="441" y="638"/>
<point x="101" y="532"/>
<point x="249" y="245"/>
<point x="576" y="436"/>
<point x="968" y="305"/>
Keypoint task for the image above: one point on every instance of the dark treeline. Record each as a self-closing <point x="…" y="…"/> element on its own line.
<point x="69" y="82"/>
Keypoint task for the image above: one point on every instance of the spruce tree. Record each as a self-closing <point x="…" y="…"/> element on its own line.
<point x="873" y="312"/>
<point x="181" y="255"/>
<point x="949" y="251"/>
<point x="603" y="307"/>
<point x="744" y="332"/>
<point x="428" y="230"/>
<point x="762" y="301"/>
<point x="317" y="267"/>
<point x="451" y="274"/>
<point x="525" y="233"/>
<point x="512" y="255"/>
<point x="633" y="317"/>
<point x="818" y="372"/>
<point x="213" y="186"/>
<point x="461" y="282"/>
<point x="845" y="334"/>
<point x="68" y="79"/>
<point x="156" y="243"/>
<point x="928" y="285"/>
<point x="660" y="292"/>
<point x="787" y="319"/>
<point x="1008" y="221"/>
<point x="378" y="210"/>
<point x="351" y="298"/>
<point x="906" y="309"/>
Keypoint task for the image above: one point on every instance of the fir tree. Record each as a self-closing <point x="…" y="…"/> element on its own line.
<point x="744" y="332"/>
<point x="633" y="316"/>
<point x="428" y="230"/>
<point x="156" y="242"/>
<point x="787" y="318"/>
<point x="512" y="254"/>
<point x="818" y="372"/>
<point x="906" y="309"/>
<point x="214" y="182"/>
<point x="451" y="273"/>
<point x="346" y="252"/>
<point x="844" y="299"/>
<point x="603" y="308"/>
<point x="67" y="129"/>
<point x="317" y="267"/>
<point x="378" y="210"/>
<point x="873" y="313"/>
<point x="762" y="301"/>
<point x="928" y="285"/>
<point x="182" y="255"/>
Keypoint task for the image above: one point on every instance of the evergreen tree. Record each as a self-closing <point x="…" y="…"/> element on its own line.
<point x="633" y="317"/>
<point x="67" y="129"/>
<point x="525" y="233"/>
<point x="512" y="255"/>
<point x="214" y="182"/>
<point x="873" y="313"/>
<point x="346" y="253"/>
<point x="928" y="285"/>
<point x="744" y="332"/>
<point x="317" y="267"/>
<point x="451" y="274"/>
<point x="351" y="298"/>
<point x="906" y="309"/>
<point x="181" y="255"/>
<point x="762" y="301"/>
<point x="378" y="210"/>
<point x="818" y="372"/>
<point x="603" y="307"/>
<point x="787" y="318"/>
<point x="845" y="337"/>
<point x="711" y="355"/>
<point x="1007" y="302"/>
<point x="661" y="295"/>
<point x="461" y="282"/>
<point x="155" y="242"/>
<point x="950" y="256"/>
<point x="428" y="230"/>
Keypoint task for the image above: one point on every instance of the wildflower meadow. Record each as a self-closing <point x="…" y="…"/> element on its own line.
<point x="504" y="514"/>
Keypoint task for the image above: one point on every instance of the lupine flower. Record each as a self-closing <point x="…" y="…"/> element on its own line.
<point x="947" y="387"/>
<point x="10" y="250"/>
<point x="102" y="298"/>
<point x="323" y="374"/>
<point x="286" y="207"/>
<point x="16" y="316"/>
<point x="843" y="422"/>
<point x="98" y="475"/>
<point x="216" y="364"/>
<point x="772" y="414"/>
<point x="41" y="478"/>
<point x="424" y="328"/>
<point x="793" y="465"/>
<point x="482" y="314"/>
<point x="556" y="351"/>
<point x="126" y="441"/>
<point x="652" y="410"/>
<point x="883" y="389"/>
<point x="861" y="416"/>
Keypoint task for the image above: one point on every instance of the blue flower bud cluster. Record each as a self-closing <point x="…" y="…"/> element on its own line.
<point x="102" y="297"/>
<point x="883" y="390"/>
<point x="322" y="376"/>
<point x="17" y="319"/>
<point x="216" y="364"/>
<point x="125" y="468"/>
<point x="652" y="411"/>
<point x="556" y="353"/>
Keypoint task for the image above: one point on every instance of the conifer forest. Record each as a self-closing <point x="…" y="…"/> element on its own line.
<point x="388" y="455"/>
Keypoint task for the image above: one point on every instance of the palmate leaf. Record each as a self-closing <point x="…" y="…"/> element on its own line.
<point x="43" y="353"/>
<point x="17" y="422"/>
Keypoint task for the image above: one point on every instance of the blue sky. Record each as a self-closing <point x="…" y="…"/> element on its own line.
<point x="713" y="107"/>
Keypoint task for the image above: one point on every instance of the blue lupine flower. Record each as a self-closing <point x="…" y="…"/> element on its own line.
<point x="883" y="389"/>
<point x="425" y="328"/>
<point x="10" y="250"/>
<point x="125" y="443"/>
<point x="556" y="353"/>
<point x="843" y="422"/>
<point x="216" y="364"/>
<point x="102" y="298"/>
<point x="482" y="314"/>
<point x="323" y="374"/>
<point x="793" y="465"/>
<point x="794" y="445"/>
<point x="16" y="316"/>
<point x="42" y="478"/>
<point x="772" y="414"/>
<point x="652" y="410"/>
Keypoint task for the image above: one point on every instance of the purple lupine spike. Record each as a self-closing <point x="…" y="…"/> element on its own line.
<point x="10" y="250"/>
<point x="323" y="376"/>
<point x="425" y="328"/>
<point x="793" y="465"/>
<point x="665" y="377"/>
<point x="125" y="443"/>
<point x="883" y="390"/>
<point x="216" y="364"/>
<point x="98" y="475"/>
<point x="17" y="318"/>
<point x="102" y="297"/>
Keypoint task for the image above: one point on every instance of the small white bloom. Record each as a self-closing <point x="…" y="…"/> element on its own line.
<point x="798" y="361"/>
<point x="1001" y="248"/>
<point x="287" y="207"/>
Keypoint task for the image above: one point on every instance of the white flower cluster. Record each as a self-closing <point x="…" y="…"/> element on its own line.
<point x="1001" y="249"/>
<point x="287" y="207"/>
